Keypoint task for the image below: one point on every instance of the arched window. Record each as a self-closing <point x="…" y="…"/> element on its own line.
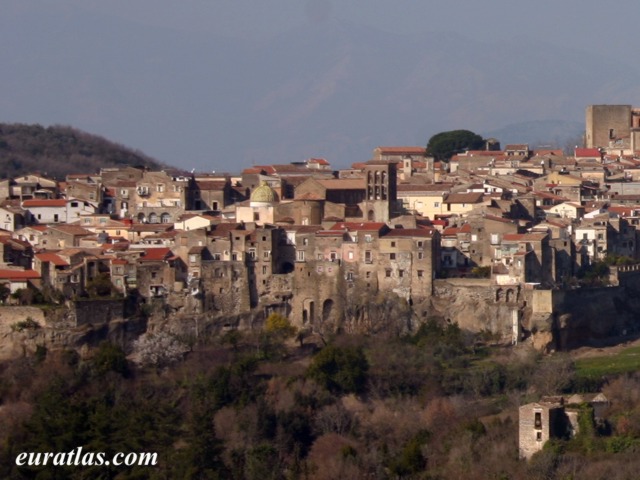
<point x="165" y="218"/>
<point x="153" y="218"/>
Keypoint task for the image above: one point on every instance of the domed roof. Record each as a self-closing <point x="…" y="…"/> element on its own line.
<point x="263" y="194"/>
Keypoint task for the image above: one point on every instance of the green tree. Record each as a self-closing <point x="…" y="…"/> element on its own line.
<point x="340" y="369"/>
<point x="444" y="145"/>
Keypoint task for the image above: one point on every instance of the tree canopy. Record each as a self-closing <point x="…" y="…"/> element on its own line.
<point x="444" y="145"/>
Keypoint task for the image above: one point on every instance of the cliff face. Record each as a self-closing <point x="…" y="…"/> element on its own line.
<point x="476" y="305"/>
<point x="78" y="326"/>
<point x="547" y="319"/>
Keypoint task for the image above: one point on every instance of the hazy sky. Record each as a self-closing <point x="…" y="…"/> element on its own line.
<point x="606" y="28"/>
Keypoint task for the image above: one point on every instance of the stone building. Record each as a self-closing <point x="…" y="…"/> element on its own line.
<point x="539" y="422"/>
<point x="616" y="128"/>
<point x="555" y="417"/>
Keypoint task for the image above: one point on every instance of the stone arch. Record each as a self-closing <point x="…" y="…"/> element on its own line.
<point x="308" y="315"/>
<point x="153" y="217"/>
<point x="141" y="218"/>
<point x="499" y="294"/>
<point x="511" y="295"/>
<point x="165" y="218"/>
<point x="327" y="309"/>
<point x="371" y="216"/>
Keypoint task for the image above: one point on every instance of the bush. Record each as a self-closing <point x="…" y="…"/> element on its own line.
<point x="340" y="369"/>
<point x="28" y="324"/>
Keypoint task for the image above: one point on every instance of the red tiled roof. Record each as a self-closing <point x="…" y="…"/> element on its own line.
<point x="155" y="254"/>
<point x="52" y="258"/>
<point x="18" y="274"/>
<point x="402" y="150"/>
<point x="44" y="203"/>
<point x="587" y="152"/>
<point x="318" y="161"/>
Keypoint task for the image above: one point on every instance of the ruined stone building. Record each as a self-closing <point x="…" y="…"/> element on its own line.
<point x="554" y="417"/>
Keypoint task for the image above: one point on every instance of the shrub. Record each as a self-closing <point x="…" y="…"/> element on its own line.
<point x="28" y="324"/>
<point x="340" y="369"/>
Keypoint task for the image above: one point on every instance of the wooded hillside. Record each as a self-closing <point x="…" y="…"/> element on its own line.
<point x="59" y="150"/>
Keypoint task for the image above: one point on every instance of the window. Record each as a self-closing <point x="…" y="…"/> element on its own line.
<point x="367" y="275"/>
<point x="87" y="220"/>
<point x="252" y="253"/>
<point x="266" y="254"/>
<point x="538" y="420"/>
<point x="74" y="204"/>
<point x="368" y="238"/>
<point x="350" y="276"/>
<point x="420" y="244"/>
<point x="193" y="258"/>
<point x="420" y="255"/>
<point x="538" y="436"/>
<point x="420" y="273"/>
<point x="350" y="255"/>
<point x="300" y="255"/>
<point x="256" y="216"/>
<point x="392" y="256"/>
<point x="387" y="273"/>
<point x="264" y="270"/>
<point x="401" y="273"/>
<point x="55" y="217"/>
<point x="320" y="257"/>
<point x="436" y="204"/>
<point x="160" y="187"/>
<point x="333" y="256"/>
<point x="367" y="256"/>
<point x="305" y="241"/>
<point x="393" y="244"/>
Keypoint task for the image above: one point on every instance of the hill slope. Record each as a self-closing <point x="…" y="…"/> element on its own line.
<point x="58" y="150"/>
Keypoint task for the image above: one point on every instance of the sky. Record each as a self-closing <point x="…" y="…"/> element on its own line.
<point x="34" y="87"/>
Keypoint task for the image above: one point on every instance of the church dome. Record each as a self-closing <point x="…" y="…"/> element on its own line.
<point x="263" y="194"/>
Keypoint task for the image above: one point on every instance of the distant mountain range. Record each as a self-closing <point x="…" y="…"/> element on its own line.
<point x="541" y="134"/>
<point x="332" y="90"/>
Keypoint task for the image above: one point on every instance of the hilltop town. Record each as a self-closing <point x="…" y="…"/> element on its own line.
<point x="525" y="244"/>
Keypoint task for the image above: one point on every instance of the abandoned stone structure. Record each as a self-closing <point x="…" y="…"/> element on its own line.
<point x="554" y="417"/>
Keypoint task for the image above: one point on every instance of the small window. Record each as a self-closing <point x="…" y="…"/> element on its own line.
<point x="420" y="244"/>
<point x="387" y="273"/>
<point x="392" y="256"/>
<point x="393" y="244"/>
<point x="401" y="273"/>
<point x="420" y="273"/>
<point x="74" y="204"/>
<point x="420" y="255"/>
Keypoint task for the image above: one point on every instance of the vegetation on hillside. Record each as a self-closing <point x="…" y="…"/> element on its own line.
<point x="59" y="150"/>
<point x="434" y="404"/>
